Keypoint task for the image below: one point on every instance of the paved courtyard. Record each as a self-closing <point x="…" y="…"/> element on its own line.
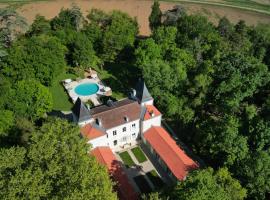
<point x="143" y="169"/>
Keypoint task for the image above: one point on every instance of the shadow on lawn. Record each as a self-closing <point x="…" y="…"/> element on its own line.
<point x="125" y="76"/>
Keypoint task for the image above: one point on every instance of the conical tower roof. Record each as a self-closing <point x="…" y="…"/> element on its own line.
<point x="142" y="92"/>
<point x="80" y="111"/>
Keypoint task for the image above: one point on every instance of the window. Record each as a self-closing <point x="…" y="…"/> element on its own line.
<point x="133" y="125"/>
<point x="124" y="129"/>
<point x="133" y="134"/>
<point x="114" y="133"/>
<point x="115" y="142"/>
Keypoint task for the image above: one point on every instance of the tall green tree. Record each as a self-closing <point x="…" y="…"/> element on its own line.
<point x="55" y="165"/>
<point x="255" y="175"/>
<point x="30" y="99"/>
<point x="238" y="77"/>
<point x="209" y="184"/>
<point x="155" y="16"/>
<point x="12" y="25"/>
<point x="119" y="34"/>
<point x="6" y="121"/>
<point x="215" y="139"/>
<point x="39" y="26"/>
<point x="82" y="52"/>
<point x="71" y="18"/>
<point x="40" y="57"/>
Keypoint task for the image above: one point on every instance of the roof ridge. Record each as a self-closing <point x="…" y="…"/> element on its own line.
<point x="115" y="108"/>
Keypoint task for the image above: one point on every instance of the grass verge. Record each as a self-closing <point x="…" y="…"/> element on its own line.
<point x="139" y="154"/>
<point x="126" y="159"/>
<point x="155" y="179"/>
<point x="60" y="97"/>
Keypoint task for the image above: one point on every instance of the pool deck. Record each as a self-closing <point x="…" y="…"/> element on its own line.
<point x="102" y="90"/>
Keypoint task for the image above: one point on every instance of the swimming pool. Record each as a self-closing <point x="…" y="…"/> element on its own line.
<point x="86" y="89"/>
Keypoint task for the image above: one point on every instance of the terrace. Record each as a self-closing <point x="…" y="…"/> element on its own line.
<point x="89" y="88"/>
<point x="143" y="172"/>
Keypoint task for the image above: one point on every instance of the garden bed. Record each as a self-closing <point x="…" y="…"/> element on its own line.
<point x="126" y="159"/>
<point x="138" y="153"/>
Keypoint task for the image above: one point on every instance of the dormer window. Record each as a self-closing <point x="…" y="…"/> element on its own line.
<point x="152" y="114"/>
<point x="114" y="132"/>
<point x="98" y="122"/>
<point x="126" y="119"/>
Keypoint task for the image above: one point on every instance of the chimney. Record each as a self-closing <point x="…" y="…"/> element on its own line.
<point x="133" y="92"/>
<point x="110" y="103"/>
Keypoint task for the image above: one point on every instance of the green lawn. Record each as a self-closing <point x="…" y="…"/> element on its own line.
<point x="155" y="179"/>
<point x="126" y="159"/>
<point x="60" y="97"/>
<point x="138" y="153"/>
<point x="142" y="184"/>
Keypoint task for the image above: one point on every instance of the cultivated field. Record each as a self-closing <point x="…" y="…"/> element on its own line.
<point x="139" y="9"/>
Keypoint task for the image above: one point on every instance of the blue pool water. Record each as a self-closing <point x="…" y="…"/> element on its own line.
<point x="86" y="89"/>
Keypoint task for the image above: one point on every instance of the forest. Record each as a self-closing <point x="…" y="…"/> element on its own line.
<point x="212" y="82"/>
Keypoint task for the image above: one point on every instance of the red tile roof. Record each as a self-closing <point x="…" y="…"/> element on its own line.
<point x="90" y="132"/>
<point x="174" y="157"/>
<point x="151" y="109"/>
<point x="105" y="156"/>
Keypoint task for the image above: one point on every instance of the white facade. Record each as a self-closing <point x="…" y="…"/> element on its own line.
<point x="123" y="134"/>
<point x="154" y="121"/>
<point x="99" y="141"/>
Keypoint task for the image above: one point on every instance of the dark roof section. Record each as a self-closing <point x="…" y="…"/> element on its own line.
<point x="112" y="116"/>
<point x="142" y="92"/>
<point x="80" y="111"/>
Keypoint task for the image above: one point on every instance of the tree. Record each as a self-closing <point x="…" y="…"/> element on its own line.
<point x="55" y="165"/>
<point x="30" y="99"/>
<point x="255" y="175"/>
<point x="215" y="139"/>
<point x="119" y="34"/>
<point x="98" y="17"/>
<point x="6" y="122"/>
<point x="237" y="77"/>
<point x="209" y="184"/>
<point x="225" y="28"/>
<point x="82" y="53"/>
<point x="196" y="34"/>
<point x="165" y="36"/>
<point x="146" y="52"/>
<point x="155" y="16"/>
<point x="11" y="25"/>
<point x="68" y="19"/>
<point x="39" y="26"/>
<point x="259" y="134"/>
<point x="40" y="57"/>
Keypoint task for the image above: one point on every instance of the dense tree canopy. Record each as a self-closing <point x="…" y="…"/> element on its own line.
<point x="30" y="99"/>
<point x="206" y="184"/>
<point x="210" y="82"/>
<point x="55" y="165"/>
<point x="119" y="33"/>
<point x="26" y="59"/>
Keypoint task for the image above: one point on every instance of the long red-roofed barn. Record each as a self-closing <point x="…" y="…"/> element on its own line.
<point x="105" y="156"/>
